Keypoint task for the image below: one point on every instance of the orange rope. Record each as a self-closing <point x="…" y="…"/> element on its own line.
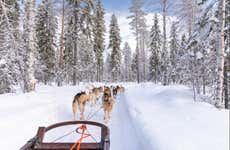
<point x="83" y="135"/>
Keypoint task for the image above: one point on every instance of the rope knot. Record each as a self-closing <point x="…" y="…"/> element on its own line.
<point x="83" y="135"/>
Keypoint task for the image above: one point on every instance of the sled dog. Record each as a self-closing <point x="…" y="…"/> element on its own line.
<point x="79" y="102"/>
<point x="107" y="103"/>
<point x="96" y="93"/>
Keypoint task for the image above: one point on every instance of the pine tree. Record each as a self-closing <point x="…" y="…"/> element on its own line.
<point x="86" y="59"/>
<point x="99" y="41"/>
<point x="9" y="45"/>
<point x="108" y="68"/>
<point x="67" y="71"/>
<point x="182" y="60"/>
<point x="155" y="47"/>
<point x="46" y="26"/>
<point x="138" y="25"/>
<point x="134" y="66"/>
<point x="164" y="55"/>
<point x="174" y="48"/>
<point x="127" y="62"/>
<point x="59" y="74"/>
<point x="79" y="21"/>
<point x="114" y="44"/>
<point x="227" y="57"/>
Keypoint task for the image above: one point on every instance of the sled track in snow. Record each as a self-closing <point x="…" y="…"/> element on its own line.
<point x="123" y="133"/>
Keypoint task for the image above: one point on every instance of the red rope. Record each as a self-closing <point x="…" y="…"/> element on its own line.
<point x="83" y="135"/>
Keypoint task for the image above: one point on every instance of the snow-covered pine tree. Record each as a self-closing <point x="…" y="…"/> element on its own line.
<point x="182" y="61"/>
<point x="29" y="45"/>
<point x="127" y="62"/>
<point x="9" y="41"/>
<point x="114" y="45"/>
<point x="99" y="41"/>
<point x="138" y="26"/>
<point x="46" y="25"/>
<point x="134" y="66"/>
<point x="79" y="20"/>
<point x="227" y="57"/>
<point x="155" y="49"/>
<point x="201" y="67"/>
<point x="59" y="66"/>
<point x="87" y="59"/>
<point x="174" y="48"/>
<point x="67" y="70"/>
<point x="144" y="34"/>
<point x="164" y="55"/>
<point x="107" y="68"/>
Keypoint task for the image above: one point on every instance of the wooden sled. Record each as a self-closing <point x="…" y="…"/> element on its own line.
<point x="37" y="143"/>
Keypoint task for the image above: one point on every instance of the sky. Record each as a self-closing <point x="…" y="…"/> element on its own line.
<point x="120" y="9"/>
<point x="116" y="5"/>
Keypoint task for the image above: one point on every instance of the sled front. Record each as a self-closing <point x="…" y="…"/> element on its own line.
<point x="37" y="143"/>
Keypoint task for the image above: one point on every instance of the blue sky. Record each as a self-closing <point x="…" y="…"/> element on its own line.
<point x="116" y="5"/>
<point x="112" y="5"/>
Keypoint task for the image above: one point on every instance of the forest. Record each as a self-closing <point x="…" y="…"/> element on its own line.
<point x="63" y="42"/>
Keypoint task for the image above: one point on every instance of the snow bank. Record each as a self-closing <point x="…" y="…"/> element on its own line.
<point x="167" y="118"/>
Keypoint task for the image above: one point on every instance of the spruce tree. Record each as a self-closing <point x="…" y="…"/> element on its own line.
<point x="79" y="21"/>
<point x="87" y="59"/>
<point x="138" y="25"/>
<point x="155" y="47"/>
<point x="9" y="45"/>
<point x="114" y="45"/>
<point x="127" y="62"/>
<point x="227" y="57"/>
<point x="46" y="26"/>
<point x="99" y="41"/>
<point x="174" y="48"/>
<point x="134" y="66"/>
<point x="107" y="66"/>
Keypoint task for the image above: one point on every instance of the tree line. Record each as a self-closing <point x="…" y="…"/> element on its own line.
<point x="63" y="42"/>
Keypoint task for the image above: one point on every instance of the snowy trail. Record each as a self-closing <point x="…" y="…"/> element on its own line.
<point x="146" y="116"/>
<point x="122" y="131"/>
<point x="123" y="134"/>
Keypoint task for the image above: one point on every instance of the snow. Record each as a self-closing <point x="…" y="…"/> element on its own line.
<point x="146" y="116"/>
<point x="2" y="61"/>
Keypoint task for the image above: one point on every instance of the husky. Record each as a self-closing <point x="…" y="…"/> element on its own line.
<point x="120" y="89"/>
<point x="115" y="91"/>
<point x="96" y="93"/>
<point x="107" y="103"/>
<point x="79" y="102"/>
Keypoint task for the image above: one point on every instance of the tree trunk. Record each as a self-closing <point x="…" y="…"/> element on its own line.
<point x="164" y="44"/>
<point x="220" y="53"/>
<point x="144" y="58"/>
<point x="30" y="46"/>
<point x="226" y="86"/>
<point x="75" y="62"/>
<point x="227" y="80"/>
<point x="203" y="79"/>
<point x="138" y="54"/>
<point x="62" y="35"/>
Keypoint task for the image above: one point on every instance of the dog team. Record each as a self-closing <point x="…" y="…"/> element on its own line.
<point x="108" y="94"/>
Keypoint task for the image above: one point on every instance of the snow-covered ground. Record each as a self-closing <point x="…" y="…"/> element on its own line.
<point x="145" y="117"/>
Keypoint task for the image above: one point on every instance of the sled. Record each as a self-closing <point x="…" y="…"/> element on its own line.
<point x="37" y="143"/>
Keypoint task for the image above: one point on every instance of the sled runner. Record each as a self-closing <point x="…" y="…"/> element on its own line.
<point x="37" y="143"/>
